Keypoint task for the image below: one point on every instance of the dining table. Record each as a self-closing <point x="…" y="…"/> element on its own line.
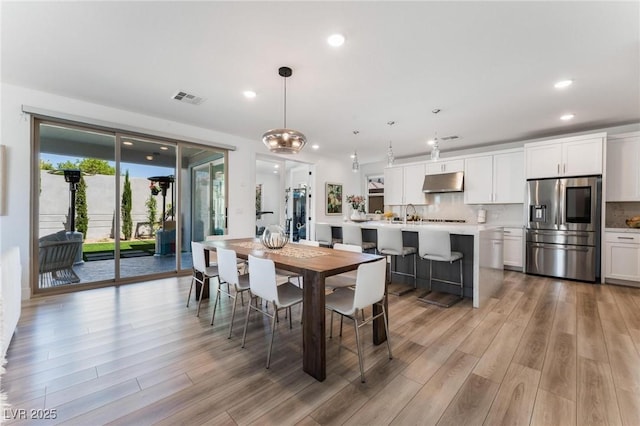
<point x="314" y="264"/>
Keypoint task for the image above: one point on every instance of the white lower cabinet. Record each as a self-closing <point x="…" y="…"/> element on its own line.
<point x="622" y="256"/>
<point x="513" y="249"/>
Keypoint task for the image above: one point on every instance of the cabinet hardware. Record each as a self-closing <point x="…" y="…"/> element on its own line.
<point x="558" y="168"/>
<point x="625" y="238"/>
<point x="564" y="168"/>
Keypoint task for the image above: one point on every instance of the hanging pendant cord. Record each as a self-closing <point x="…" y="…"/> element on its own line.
<point x="285" y="102"/>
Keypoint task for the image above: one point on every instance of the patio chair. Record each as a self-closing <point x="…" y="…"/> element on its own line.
<point x="56" y="256"/>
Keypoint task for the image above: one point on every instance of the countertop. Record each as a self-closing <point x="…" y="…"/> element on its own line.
<point x="454" y="228"/>
<point x="626" y="230"/>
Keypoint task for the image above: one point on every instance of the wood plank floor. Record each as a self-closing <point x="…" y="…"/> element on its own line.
<point x="542" y="352"/>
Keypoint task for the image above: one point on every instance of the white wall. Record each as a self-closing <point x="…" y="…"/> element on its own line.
<point x="335" y="172"/>
<point x="15" y="225"/>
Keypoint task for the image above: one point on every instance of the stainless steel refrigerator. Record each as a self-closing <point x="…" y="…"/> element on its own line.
<point x="563" y="230"/>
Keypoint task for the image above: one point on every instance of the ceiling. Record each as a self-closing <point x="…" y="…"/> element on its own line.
<point x="489" y="66"/>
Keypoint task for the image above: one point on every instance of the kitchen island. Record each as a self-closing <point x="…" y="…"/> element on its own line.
<point x="481" y="245"/>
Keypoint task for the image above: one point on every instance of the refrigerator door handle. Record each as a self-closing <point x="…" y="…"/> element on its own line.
<point x="559" y="247"/>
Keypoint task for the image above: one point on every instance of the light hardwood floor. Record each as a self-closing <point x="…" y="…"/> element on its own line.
<point x="542" y="352"/>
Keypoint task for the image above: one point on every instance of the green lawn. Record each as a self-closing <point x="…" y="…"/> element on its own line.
<point x="148" y="245"/>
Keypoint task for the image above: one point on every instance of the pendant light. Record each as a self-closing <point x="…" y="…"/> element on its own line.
<point x="284" y="141"/>
<point x="390" y="157"/>
<point x="355" y="166"/>
<point x="435" y="151"/>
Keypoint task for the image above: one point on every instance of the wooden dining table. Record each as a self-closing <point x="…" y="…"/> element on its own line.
<point x="314" y="264"/>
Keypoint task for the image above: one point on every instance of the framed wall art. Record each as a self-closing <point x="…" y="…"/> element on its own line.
<point x="333" y="199"/>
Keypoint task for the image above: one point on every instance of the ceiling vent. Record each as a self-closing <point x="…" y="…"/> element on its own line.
<point x="449" y="138"/>
<point x="188" y="98"/>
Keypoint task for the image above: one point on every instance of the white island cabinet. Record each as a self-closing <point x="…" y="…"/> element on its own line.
<point x="574" y="156"/>
<point x="481" y="245"/>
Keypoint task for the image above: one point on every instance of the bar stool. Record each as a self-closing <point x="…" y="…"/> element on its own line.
<point x="352" y="234"/>
<point x="324" y="236"/>
<point x="436" y="245"/>
<point x="390" y="244"/>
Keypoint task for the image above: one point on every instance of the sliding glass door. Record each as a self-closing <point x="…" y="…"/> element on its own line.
<point x="113" y="207"/>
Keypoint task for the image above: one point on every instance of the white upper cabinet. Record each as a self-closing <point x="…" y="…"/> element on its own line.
<point x="438" y="167"/>
<point x="494" y="179"/>
<point x="393" y="186"/>
<point x="413" y="180"/>
<point x="575" y="156"/>
<point x="623" y="167"/>
<point x="403" y="185"/>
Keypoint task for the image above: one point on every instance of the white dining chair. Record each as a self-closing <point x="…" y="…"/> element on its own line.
<point x="201" y="272"/>
<point x="346" y="279"/>
<point x="228" y="274"/>
<point x="262" y="282"/>
<point x="369" y="290"/>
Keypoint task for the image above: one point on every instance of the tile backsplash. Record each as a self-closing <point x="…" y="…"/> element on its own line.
<point x="452" y="206"/>
<point x="617" y="213"/>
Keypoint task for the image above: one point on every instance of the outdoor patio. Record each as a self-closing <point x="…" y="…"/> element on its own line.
<point x="101" y="270"/>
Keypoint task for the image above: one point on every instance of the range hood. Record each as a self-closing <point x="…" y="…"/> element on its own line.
<point x="443" y="182"/>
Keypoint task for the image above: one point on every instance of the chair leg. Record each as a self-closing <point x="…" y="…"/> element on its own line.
<point x="290" y="325"/>
<point x="430" y="274"/>
<point x="415" y="270"/>
<point x="233" y="314"/>
<point x="246" y="321"/>
<point x="190" y="288"/>
<point x="360" y="360"/>
<point x="386" y="329"/>
<point x="200" y="299"/>
<point x="341" y="322"/>
<point x="331" y="327"/>
<point x="273" y="331"/>
<point x="461" y="280"/>
<point x="215" y="303"/>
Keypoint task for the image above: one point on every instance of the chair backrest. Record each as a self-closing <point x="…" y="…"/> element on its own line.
<point x="197" y="253"/>
<point x="352" y="234"/>
<point x="262" y="279"/>
<point x="309" y="243"/>
<point x="323" y="233"/>
<point x="348" y="247"/>
<point x="370" y="283"/>
<point x="390" y="239"/>
<point x="434" y="242"/>
<point x="227" y="266"/>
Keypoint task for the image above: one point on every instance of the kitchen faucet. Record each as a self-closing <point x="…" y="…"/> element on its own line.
<point x="406" y="211"/>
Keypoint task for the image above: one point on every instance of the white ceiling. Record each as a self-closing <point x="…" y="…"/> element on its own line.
<point x="489" y="66"/>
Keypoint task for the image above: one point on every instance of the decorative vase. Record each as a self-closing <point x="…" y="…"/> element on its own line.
<point x="274" y="237"/>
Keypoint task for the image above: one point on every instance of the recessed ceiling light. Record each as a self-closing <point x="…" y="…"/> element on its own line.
<point x="164" y="148"/>
<point x="128" y="143"/>
<point x="249" y="94"/>
<point x="336" y="40"/>
<point x="563" y="83"/>
<point x="276" y="166"/>
<point x="430" y="142"/>
<point x="352" y="156"/>
<point x="567" y="117"/>
<point x="149" y="157"/>
<point x="315" y="146"/>
<point x="275" y="171"/>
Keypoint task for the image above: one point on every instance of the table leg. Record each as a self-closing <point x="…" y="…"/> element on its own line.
<point x="314" y="353"/>
<point x="379" y="334"/>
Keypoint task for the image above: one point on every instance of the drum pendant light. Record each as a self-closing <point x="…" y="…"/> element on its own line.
<point x="284" y="141"/>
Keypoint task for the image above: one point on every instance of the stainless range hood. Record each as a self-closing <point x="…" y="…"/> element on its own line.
<point x="444" y="182"/>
